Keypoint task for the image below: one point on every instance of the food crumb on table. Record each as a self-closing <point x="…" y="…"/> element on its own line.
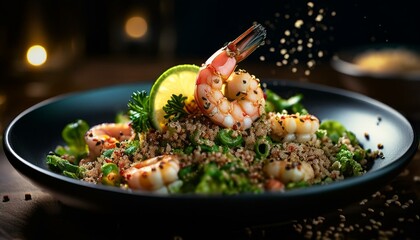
<point x="28" y="196"/>
<point x="6" y="198"/>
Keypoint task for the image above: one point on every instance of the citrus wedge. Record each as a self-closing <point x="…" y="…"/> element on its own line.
<point x="179" y="79"/>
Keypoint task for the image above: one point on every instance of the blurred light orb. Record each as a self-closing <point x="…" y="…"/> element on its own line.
<point x="136" y="27"/>
<point x="36" y="55"/>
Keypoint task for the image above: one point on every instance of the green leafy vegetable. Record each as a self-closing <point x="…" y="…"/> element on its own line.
<point x="275" y="103"/>
<point x="122" y="117"/>
<point x="132" y="147"/>
<point x="138" y="111"/>
<point x="73" y="135"/>
<point x="336" y="130"/>
<point x="294" y="185"/>
<point x="175" y="108"/>
<point x="63" y="166"/>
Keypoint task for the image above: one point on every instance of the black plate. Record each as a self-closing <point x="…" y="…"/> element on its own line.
<point x="36" y="131"/>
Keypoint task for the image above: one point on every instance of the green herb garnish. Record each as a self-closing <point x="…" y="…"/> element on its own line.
<point x="139" y="111"/>
<point x="175" y="108"/>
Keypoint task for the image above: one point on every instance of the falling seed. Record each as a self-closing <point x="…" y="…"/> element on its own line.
<point x="310" y="13"/>
<point x="320" y="54"/>
<point x="310" y="63"/>
<point x="299" y="44"/>
<point x="319" y="18"/>
<point x="298" y="23"/>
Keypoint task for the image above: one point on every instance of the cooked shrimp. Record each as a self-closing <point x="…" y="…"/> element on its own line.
<point x="153" y="174"/>
<point x="244" y="101"/>
<point x="293" y="127"/>
<point x="106" y="136"/>
<point x="289" y="171"/>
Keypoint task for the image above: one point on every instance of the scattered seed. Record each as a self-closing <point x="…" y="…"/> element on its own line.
<point x="6" y="198"/>
<point x="28" y="196"/>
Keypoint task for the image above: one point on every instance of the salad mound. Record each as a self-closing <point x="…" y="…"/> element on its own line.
<point x="184" y="151"/>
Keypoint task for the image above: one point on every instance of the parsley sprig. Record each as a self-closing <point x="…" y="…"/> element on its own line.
<point x="138" y="110"/>
<point x="175" y="108"/>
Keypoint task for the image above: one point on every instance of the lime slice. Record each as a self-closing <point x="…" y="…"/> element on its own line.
<point x="179" y="79"/>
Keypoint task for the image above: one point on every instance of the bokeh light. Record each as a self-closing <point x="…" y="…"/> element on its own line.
<point x="136" y="27"/>
<point x="36" y="55"/>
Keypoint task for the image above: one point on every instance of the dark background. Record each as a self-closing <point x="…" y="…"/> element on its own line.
<point x="87" y="47"/>
<point x="197" y="29"/>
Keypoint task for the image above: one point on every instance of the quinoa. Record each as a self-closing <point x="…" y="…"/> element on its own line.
<point x="194" y="140"/>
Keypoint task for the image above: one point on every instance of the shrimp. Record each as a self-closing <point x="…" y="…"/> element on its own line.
<point x="106" y="136"/>
<point x="293" y="127"/>
<point x="286" y="171"/>
<point x="244" y="100"/>
<point x="153" y="174"/>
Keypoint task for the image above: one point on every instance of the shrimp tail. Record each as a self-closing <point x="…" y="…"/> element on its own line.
<point x="247" y="42"/>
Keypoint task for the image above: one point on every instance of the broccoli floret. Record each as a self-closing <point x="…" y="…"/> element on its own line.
<point x="227" y="180"/>
<point x="348" y="165"/>
<point x="212" y="179"/>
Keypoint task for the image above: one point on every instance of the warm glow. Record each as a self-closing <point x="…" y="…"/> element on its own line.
<point x="36" y="55"/>
<point x="136" y="27"/>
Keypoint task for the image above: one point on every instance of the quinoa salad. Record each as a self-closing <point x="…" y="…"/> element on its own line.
<point x="224" y="132"/>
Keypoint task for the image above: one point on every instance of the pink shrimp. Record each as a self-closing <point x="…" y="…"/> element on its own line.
<point x="153" y="174"/>
<point x="291" y="127"/>
<point x="106" y="136"/>
<point x="244" y="100"/>
<point x="289" y="171"/>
